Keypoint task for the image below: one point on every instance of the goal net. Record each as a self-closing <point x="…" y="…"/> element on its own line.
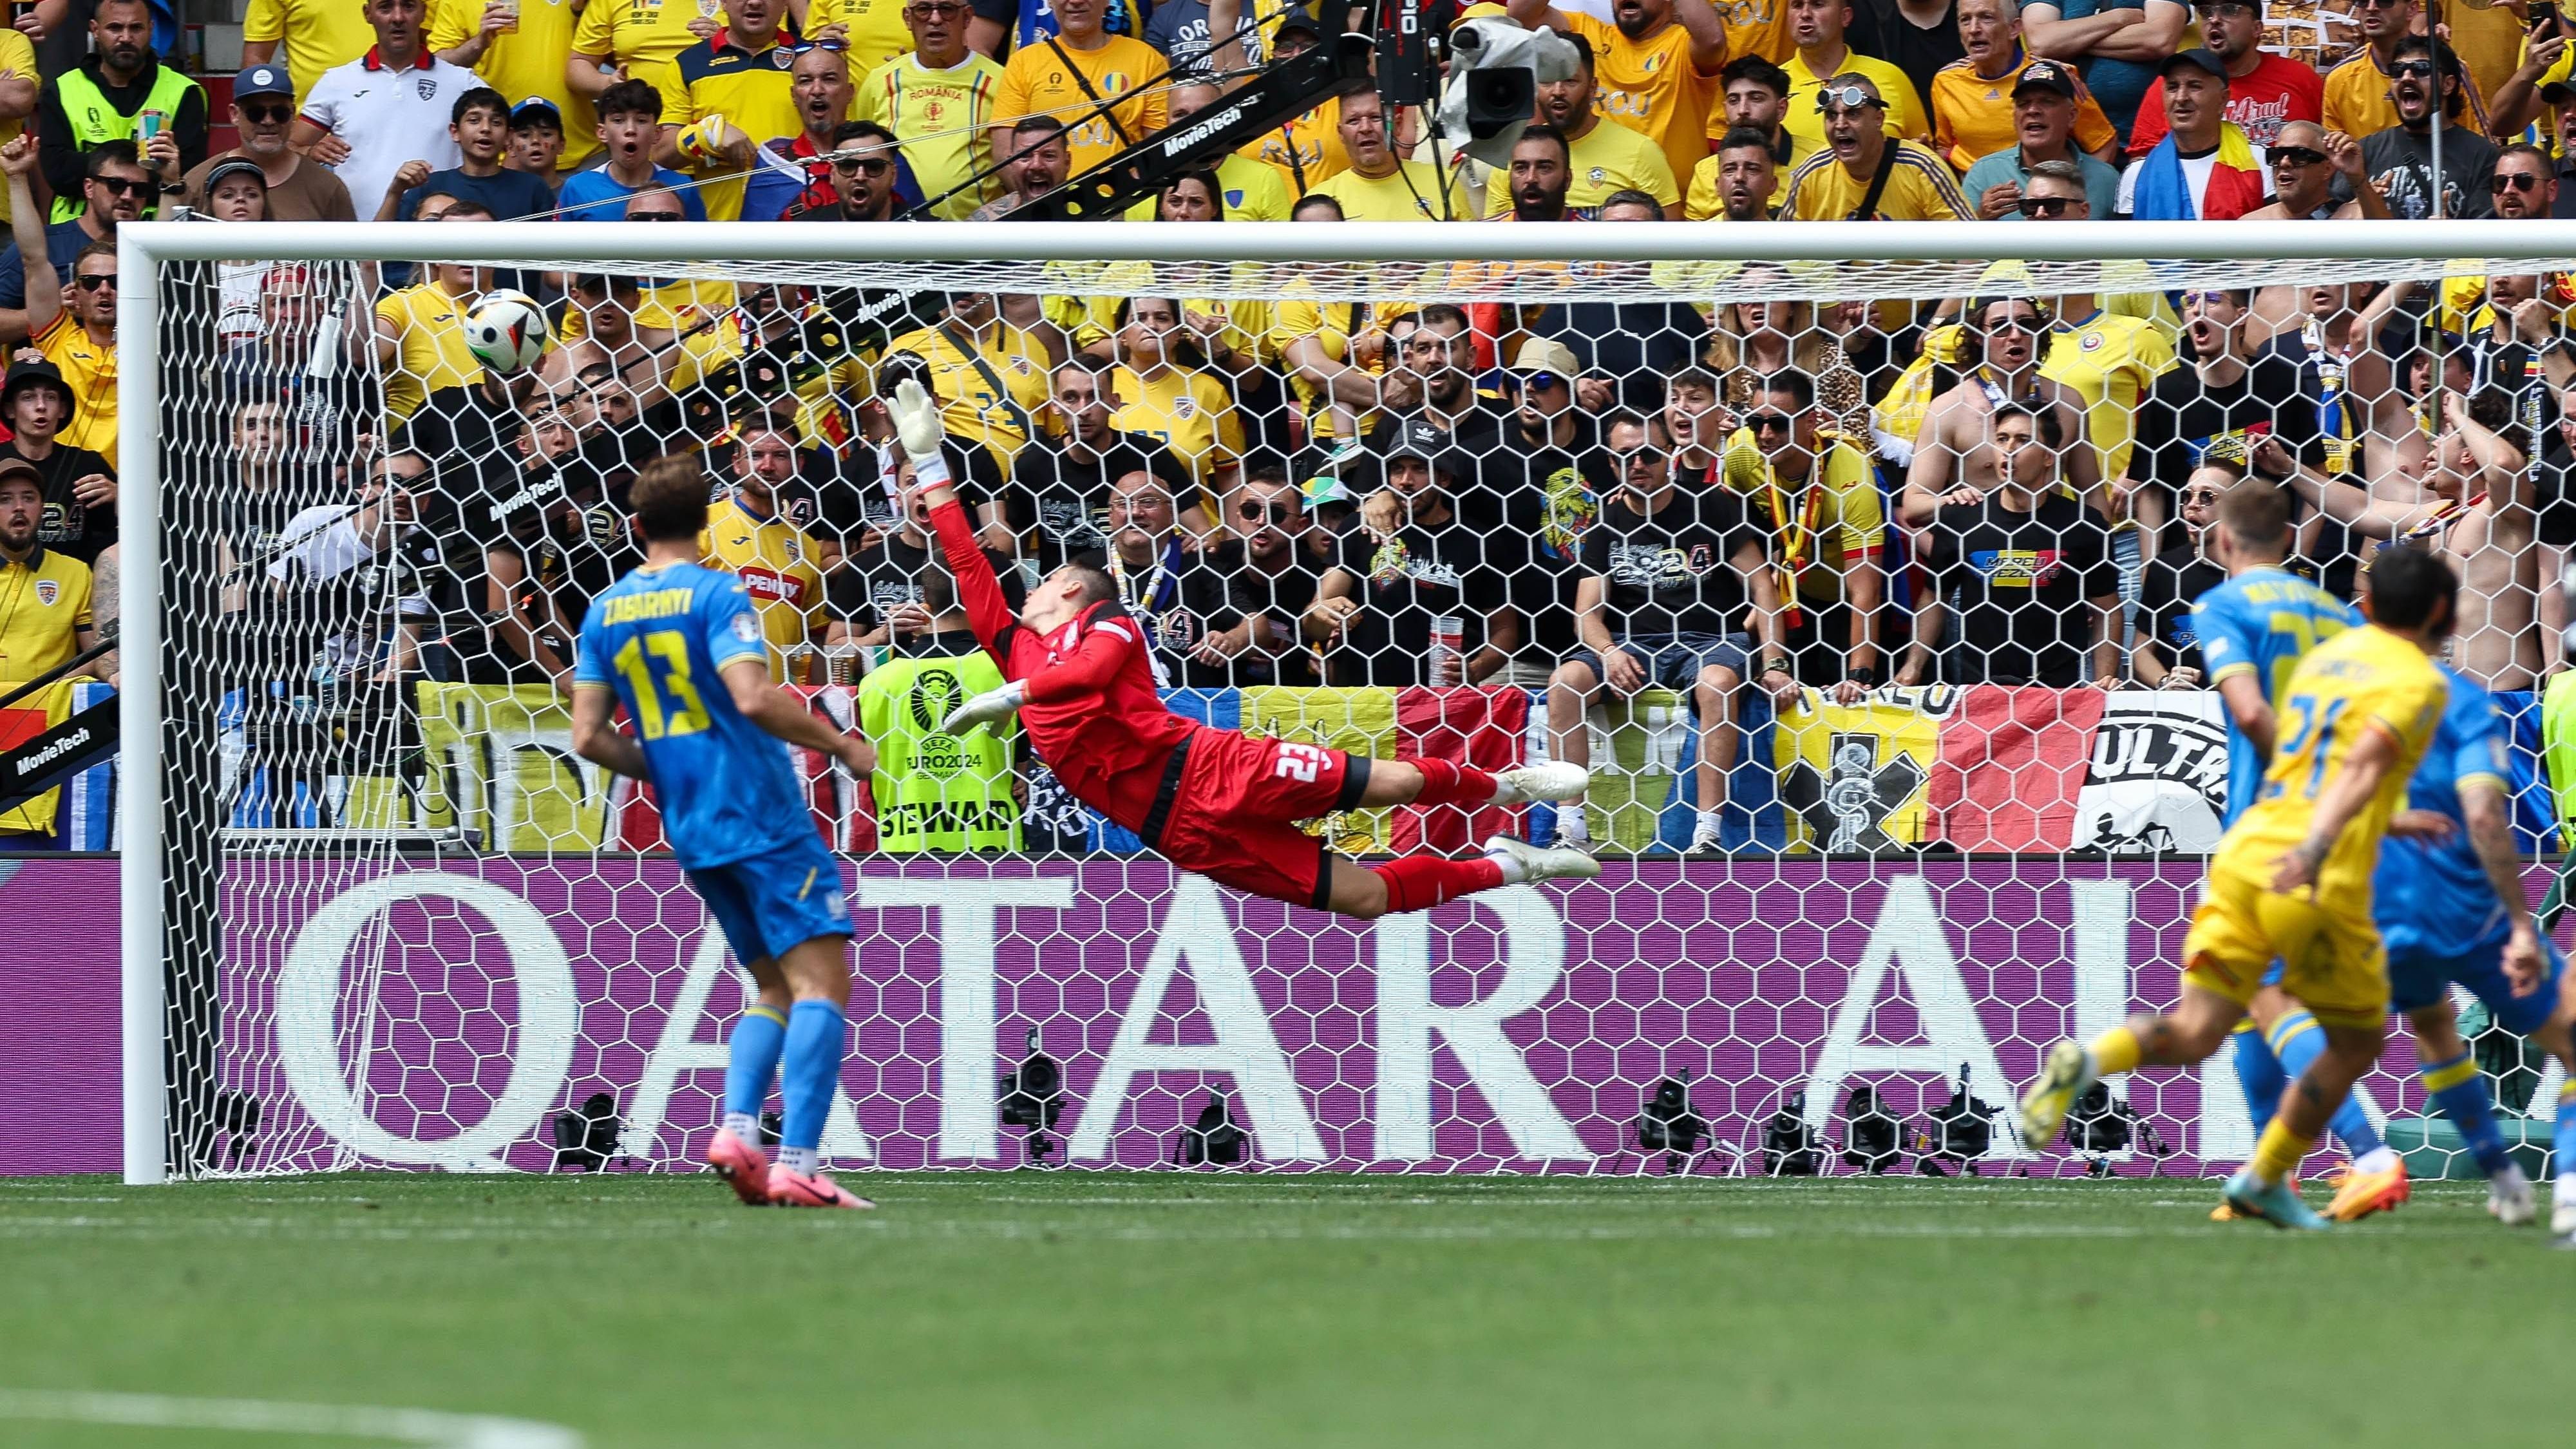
<point x="1862" y="585"/>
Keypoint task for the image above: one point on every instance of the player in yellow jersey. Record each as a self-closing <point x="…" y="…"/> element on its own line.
<point x="2291" y="882"/>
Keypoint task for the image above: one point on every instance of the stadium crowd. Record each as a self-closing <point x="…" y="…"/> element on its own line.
<point x="1732" y="502"/>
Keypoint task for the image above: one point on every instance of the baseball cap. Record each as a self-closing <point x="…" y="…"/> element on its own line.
<point x="533" y="109"/>
<point x="2046" y="75"/>
<point x="1298" y="17"/>
<point x="16" y="467"/>
<point x="2199" y="57"/>
<point x="1414" y="438"/>
<point x="34" y="374"/>
<point x="2557" y="93"/>
<point x="1539" y="354"/>
<point x="228" y="168"/>
<point x="262" y="80"/>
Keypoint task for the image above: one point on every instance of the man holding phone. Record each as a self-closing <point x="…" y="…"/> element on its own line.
<point x="120" y="92"/>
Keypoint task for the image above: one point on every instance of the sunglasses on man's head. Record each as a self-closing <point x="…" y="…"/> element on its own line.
<point x="872" y="165"/>
<point x="92" y="281"/>
<point x="1847" y="97"/>
<point x="833" y="46"/>
<point x="2044" y="205"/>
<point x="2295" y="155"/>
<point x="1276" y="510"/>
<point x="266" y="115"/>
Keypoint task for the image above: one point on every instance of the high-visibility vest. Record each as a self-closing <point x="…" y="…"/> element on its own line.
<point x="938" y="791"/>
<point x="93" y="119"/>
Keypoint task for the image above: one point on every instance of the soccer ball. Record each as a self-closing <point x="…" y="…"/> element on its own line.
<point x="507" y="330"/>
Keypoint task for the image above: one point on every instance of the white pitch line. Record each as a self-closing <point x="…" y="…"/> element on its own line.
<point x="265" y="1416"/>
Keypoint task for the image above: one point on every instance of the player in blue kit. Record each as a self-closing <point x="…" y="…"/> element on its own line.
<point x="681" y="648"/>
<point x="2448" y="897"/>
<point x="2253" y="629"/>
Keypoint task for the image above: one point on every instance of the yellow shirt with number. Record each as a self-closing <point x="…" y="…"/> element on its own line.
<point x="429" y="327"/>
<point x="317" y="35"/>
<point x="876" y="34"/>
<point x="967" y="402"/>
<point x="642" y="36"/>
<point x="943" y="119"/>
<point x="1651" y="87"/>
<point x="526" y="62"/>
<point x="2112" y="360"/>
<point x="1038" y="82"/>
<point x="2361" y="681"/>
<point x="772" y="556"/>
<point x="1806" y="125"/>
<point x="1411" y="193"/>
<point x="90" y="371"/>
<point x="1185" y="409"/>
<point x="1608" y="159"/>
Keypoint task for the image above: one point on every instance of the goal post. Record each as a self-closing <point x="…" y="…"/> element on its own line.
<point x="434" y="937"/>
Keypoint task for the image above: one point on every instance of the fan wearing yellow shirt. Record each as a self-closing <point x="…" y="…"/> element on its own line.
<point x="2111" y="360"/>
<point x="319" y="35"/>
<point x="1603" y="157"/>
<point x="986" y="394"/>
<point x="1819" y="498"/>
<point x="747" y="535"/>
<point x="2291" y="882"/>
<point x="79" y="340"/>
<point x="1657" y="65"/>
<point x="1069" y="76"/>
<point x="1165" y="394"/>
<point x="725" y="95"/>
<point x="938" y="100"/>
<point x="1817" y="27"/>
<point x="1755" y="96"/>
<point x="1247" y="190"/>
<point x="871" y="32"/>
<point x="1973" y="98"/>
<point x="621" y="40"/>
<point x="420" y="330"/>
<point x="2357" y="100"/>
<point x="517" y="47"/>
<point x="1379" y="186"/>
<point x="1832" y="184"/>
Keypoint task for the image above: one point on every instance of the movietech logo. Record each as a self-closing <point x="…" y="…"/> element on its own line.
<point x="1204" y="129"/>
<point x="29" y="764"/>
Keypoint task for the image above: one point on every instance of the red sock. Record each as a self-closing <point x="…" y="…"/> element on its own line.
<point x="1419" y="882"/>
<point x="1446" y="782"/>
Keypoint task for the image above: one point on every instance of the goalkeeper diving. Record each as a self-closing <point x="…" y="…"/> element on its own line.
<point x="1217" y="802"/>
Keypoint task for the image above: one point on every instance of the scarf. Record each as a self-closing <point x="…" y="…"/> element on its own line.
<point x="2235" y="182"/>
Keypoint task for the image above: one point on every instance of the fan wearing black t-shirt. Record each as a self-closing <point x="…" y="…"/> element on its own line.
<point x="80" y="488"/>
<point x="1671" y="579"/>
<point x="2167" y="652"/>
<point x="1059" y="487"/>
<point x="2211" y="409"/>
<point x="2027" y="569"/>
<point x="875" y="596"/>
<point x="1175" y="592"/>
<point x="1377" y="612"/>
<point x="1271" y="579"/>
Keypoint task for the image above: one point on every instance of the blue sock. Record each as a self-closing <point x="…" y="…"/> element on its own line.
<point x="755" y="1043"/>
<point x="2259" y="1073"/>
<point x="2297" y="1040"/>
<point x="815" y="1031"/>
<point x="2458" y="1088"/>
<point x="2562" y="1155"/>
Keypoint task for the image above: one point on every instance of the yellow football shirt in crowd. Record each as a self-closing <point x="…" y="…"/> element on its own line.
<point x="751" y="89"/>
<point x="1756" y="27"/>
<point x="1187" y="410"/>
<point x="2112" y="360"/>
<point x="317" y="35"/>
<point x="48" y="605"/>
<point x="1306" y="150"/>
<point x="1250" y="191"/>
<point x="2357" y="101"/>
<point x="1411" y="192"/>
<point x="772" y="557"/>
<point x="968" y="403"/>
<point x="17" y="60"/>
<point x="1049" y="80"/>
<point x="1607" y="159"/>
<point x="943" y="118"/>
<point x="1700" y="199"/>
<point x="1651" y="87"/>
<point x="1818" y="525"/>
<point x="1972" y="115"/>
<point x="429" y="327"/>
<point x="526" y="62"/>
<point x="642" y="36"/>
<point x="1806" y="125"/>
<point x="876" y="32"/>
<point x="1922" y="188"/>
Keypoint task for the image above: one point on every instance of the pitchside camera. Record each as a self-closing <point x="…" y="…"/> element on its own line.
<point x="1495" y="70"/>
<point x="1033" y="1098"/>
<point x="1666" y="1124"/>
<point x="586" y="1136"/>
<point x="1870" y="1131"/>
<point x="1212" y="1138"/>
<point x="1961" y="1130"/>
<point x="1790" y="1148"/>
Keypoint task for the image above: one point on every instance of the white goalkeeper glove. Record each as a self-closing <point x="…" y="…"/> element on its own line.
<point x="916" y="422"/>
<point x="990" y="707"/>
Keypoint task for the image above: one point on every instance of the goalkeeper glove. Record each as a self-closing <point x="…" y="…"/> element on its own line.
<point x="991" y="706"/>
<point x="916" y="422"/>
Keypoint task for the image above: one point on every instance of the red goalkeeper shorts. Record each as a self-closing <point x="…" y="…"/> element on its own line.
<point x="1227" y="813"/>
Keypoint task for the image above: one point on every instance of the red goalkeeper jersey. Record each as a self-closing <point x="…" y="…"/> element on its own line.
<point x="1091" y="712"/>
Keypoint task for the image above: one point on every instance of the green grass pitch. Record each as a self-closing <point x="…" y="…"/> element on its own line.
<point x="1082" y="1309"/>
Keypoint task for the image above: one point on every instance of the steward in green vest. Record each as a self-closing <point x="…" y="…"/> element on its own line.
<point x="106" y="98"/>
<point x="938" y="791"/>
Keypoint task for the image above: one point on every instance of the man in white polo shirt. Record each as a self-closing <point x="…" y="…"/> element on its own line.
<point x="365" y="119"/>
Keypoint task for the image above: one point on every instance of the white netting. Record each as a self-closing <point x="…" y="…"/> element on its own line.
<point x="407" y="926"/>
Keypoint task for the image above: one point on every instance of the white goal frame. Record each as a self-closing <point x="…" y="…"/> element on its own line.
<point x="143" y="249"/>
